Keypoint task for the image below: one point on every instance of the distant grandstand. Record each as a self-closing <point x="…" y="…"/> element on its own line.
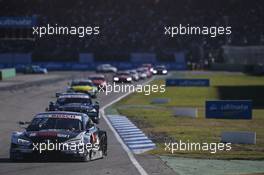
<point x="131" y="26"/>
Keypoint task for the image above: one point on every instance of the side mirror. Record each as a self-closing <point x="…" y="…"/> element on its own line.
<point x="23" y="124"/>
<point x="89" y="125"/>
<point x="51" y="106"/>
<point x="58" y="94"/>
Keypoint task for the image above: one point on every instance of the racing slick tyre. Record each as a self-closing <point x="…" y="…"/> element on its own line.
<point x="13" y="157"/>
<point x="87" y="156"/>
<point x="103" y="143"/>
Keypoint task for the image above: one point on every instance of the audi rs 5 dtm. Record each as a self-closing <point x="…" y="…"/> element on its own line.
<point x="59" y="134"/>
<point x="76" y="103"/>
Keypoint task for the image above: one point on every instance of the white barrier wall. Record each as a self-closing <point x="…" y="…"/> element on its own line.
<point x="239" y="137"/>
<point x="160" y="100"/>
<point x="185" y="112"/>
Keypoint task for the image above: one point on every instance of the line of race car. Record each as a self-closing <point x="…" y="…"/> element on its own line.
<point x="68" y="129"/>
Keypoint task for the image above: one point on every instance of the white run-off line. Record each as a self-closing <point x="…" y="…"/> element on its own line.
<point x="124" y="146"/>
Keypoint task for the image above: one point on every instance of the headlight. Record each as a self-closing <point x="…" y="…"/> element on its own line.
<point x="164" y="71"/>
<point x="116" y="78"/>
<point x="154" y="71"/>
<point x="129" y="79"/>
<point x="23" y="142"/>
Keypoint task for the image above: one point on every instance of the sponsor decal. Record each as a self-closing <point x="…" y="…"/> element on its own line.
<point x="229" y="109"/>
<point x="188" y="82"/>
<point x="17" y="22"/>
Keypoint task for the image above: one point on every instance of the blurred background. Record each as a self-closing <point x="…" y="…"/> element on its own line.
<point x="132" y="33"/>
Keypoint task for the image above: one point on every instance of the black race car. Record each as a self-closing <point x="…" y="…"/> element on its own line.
<point x="123" y="77"/>
<point x="35" y="69"/>
<point x="160" y="70"/>
<point x="57" y="135"/>
<point x="77" y="103"/>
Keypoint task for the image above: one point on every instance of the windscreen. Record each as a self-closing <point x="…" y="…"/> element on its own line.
<point x="47" y="123"/>
<point x="63" y="101"/>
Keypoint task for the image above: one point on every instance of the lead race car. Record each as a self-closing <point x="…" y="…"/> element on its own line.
<point x="59" y="134"/>
<point x="77" y="103"/>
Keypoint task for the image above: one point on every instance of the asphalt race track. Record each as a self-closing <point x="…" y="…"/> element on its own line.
<point x="22" y="104"/>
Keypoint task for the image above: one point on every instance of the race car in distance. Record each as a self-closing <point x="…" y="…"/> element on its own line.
<point x="146" y="71"/>
<point x="160" y="70"/>
<point x="98" y="80"/>
<point x="106" y="68"/>
<point x="73" y="135"/>
<point x="76" y="103"/>
<point x="122" y="77"/>
<point x="142" y="73"/>
<point x="34" y="69"/>
<point x="134" y="74"/>
<point x="149" y="66"/>
<point x="83" y="86"/>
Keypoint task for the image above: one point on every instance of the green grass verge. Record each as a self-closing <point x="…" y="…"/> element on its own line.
<point x="159" y="123"/>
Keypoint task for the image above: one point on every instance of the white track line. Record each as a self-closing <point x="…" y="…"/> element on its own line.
<point x="124" y="146"/>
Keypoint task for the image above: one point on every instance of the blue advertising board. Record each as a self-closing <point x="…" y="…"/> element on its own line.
<point x="229" y="109"/>
<point x="188" y="82"/>
<point x="17" y="22"/>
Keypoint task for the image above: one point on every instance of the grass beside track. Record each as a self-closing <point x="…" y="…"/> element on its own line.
<point x="158" y="121"/>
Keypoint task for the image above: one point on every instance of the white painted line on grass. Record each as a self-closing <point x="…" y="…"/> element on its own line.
<point x="127" y="127"/>
<point x="128" y="130"/>
<point x="139" y="142"/>
<point x="136" y="138"/>
<point x="130" y="133"/>
<point x="130" y="136"/>
<point x="150" y="145"/>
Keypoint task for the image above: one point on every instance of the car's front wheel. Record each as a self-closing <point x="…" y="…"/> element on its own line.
<point x="87" y="156"/>
<point x="13" y="156"/>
